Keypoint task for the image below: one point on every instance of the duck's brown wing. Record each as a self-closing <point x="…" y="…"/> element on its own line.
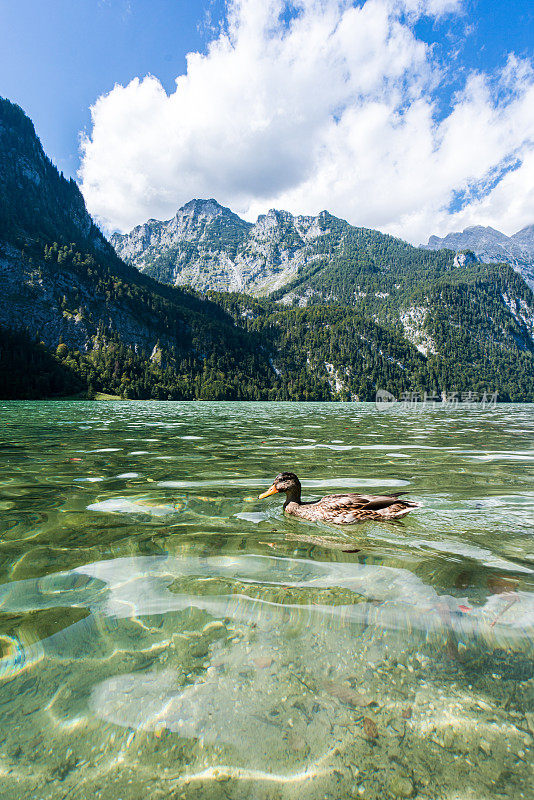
<point x="360" y="502"/>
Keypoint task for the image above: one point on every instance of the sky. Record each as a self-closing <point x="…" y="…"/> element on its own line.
<point x="415" y="117"/>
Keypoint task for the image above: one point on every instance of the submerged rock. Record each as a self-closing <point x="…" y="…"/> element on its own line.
<point x="370" y="728"/>
<point x="401" y="786"/>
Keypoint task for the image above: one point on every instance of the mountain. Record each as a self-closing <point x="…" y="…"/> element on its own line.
<point x="352" y="311"/>
<point x="91" y="322"/>
<point x="467" y="318"/>
<point x="471" y="323"/>
<point x="76" y="319"/>
<point x="492" y="246"/>
<point x="525" y="240"/>
<point x="208" y="247"/>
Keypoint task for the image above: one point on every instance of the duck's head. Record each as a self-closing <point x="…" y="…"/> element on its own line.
<point x="286" y="482"/>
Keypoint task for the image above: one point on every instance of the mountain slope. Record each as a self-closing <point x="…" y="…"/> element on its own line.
<point x="324" y="260"/>
<point x="469" y="319"/>
<point x="473" y="321"/>
<point x="492" y="246"/>
<point x="208" y="247"/>
<point x="116" y="329"/>
<point x="75" y="317"/>
<point x="449" y="341"/>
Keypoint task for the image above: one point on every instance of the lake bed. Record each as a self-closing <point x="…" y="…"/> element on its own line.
<point x="166" y="634"/>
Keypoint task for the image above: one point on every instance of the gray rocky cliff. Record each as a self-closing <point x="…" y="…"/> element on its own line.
<point x="492" y="246"/>
<point x="207" y="246"/>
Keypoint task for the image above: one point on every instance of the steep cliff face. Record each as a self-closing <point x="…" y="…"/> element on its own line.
<point x="54" y="261"/>
<point x="62" y="282"/>
<point x="36" y="202"/>
<point x="492" y="246"/>
<point x="207" y="246"/>
<point x="60" y="303"/>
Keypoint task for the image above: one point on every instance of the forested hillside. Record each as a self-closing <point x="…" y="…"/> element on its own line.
<point x="472" y="322"/>
<point x="493" y="247"/>
<point x="65" y="289"/>
<point x="357" y="355"/>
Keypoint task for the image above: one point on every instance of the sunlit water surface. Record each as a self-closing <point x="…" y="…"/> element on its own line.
<point x="165" y="634"/>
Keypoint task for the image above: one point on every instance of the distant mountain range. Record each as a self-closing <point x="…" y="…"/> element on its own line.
<point x="311" y="261"/>
<point x="492" y="246"/>
<point x="209" y="247"/>
<point x="338" y="311"/>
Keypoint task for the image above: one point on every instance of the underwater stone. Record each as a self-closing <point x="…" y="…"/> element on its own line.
<point x="401" y="786"/>
<point x="370" y="728"/>
<point x="199" y="650"/>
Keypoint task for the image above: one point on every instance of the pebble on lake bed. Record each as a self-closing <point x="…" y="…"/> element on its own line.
<point x="370" y="728"/>
<point x="401" y="786"/>
<point x="347" y="695"/>
<point x="263" y="662"/>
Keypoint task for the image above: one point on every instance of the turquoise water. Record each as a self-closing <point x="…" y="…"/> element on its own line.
<point x="165" y="634"/>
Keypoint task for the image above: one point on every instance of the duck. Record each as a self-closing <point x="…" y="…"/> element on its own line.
<point x="339" y="509"/>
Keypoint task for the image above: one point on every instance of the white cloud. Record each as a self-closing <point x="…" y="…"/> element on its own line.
<point x="334" y="109"/>
<point x="509" y="207"/>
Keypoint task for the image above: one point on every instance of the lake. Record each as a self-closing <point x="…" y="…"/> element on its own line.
<point x="165" y="634"/>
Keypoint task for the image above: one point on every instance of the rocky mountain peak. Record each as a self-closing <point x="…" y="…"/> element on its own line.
<point x="493" y="246"/>
<point x="483" y="229"/>
<point x="275" y="217"/>
<point x="202" y="208"/>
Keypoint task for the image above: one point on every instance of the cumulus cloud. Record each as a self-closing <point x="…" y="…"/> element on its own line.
<point x="319" y="104"/>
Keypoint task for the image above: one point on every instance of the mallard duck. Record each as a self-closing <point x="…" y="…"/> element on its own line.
<point x="340" y="509"/>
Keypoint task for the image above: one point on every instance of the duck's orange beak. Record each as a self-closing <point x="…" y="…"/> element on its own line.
<point x="272" y="490"/>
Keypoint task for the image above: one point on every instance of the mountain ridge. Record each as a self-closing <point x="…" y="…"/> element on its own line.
<point x="253" y="259"/>
<point x="204" y="251"/>
<point x="324" y="261"/>
<point x="492" y="246"/>
<point x="75" y="317"/>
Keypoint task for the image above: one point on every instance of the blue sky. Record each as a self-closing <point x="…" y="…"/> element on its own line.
<point x="58" y="57"/>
